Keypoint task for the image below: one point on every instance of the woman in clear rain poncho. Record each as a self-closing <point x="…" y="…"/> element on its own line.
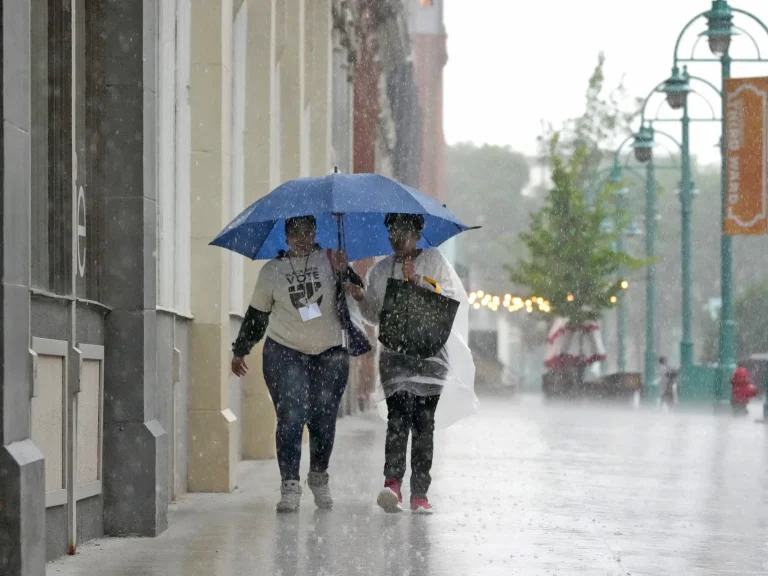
<point x="417" y="395"/>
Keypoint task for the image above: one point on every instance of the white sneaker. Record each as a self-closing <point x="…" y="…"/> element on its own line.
<point x="318" y="483"/>
<point x="390" y="498"/>
<point x="290" y="497"/>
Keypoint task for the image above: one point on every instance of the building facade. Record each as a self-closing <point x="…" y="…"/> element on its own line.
<point x="383" y="47"/>
<point x="132" y="133"/>
<point x="427" y="29"/>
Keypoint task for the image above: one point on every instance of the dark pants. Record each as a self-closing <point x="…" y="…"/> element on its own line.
<point x="739" y="409"/>
<point x="306" y="390"/>
<point x="408" y="412"/>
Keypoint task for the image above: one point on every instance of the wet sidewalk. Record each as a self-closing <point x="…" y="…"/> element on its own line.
<point x="523" y="488"/>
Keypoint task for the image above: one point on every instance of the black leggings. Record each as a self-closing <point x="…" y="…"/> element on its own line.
<point x="408" y="412"/>
<point x="306" y="390"/>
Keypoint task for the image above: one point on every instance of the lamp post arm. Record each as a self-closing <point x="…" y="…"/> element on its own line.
<point x="752" y="17"/>
<point x="631" y="170"/>
<point x="647" y="99"/>
<point x="690" y="23"/>
<point x="618" y="151"/>
<point x="670" y="138"/>
<point x="657" y="90"/>
<point x="682" y="33"/>
<point x="708" y="83"/>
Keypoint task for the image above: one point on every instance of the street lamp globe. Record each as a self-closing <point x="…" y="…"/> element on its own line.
<point x="719" y="27"/>
<point x="677" y="87"/>
<point x="643" y="144"/>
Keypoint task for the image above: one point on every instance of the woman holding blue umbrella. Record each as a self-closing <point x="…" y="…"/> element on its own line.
<point x="348" y="212"/>
<point x="295" y="305"/>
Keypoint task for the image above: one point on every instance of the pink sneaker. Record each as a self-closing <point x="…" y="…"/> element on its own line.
<point x="421" y="506"/>
<point x="390" y="498"/>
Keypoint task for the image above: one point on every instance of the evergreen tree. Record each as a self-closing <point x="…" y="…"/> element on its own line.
<point x="572" y="259"/>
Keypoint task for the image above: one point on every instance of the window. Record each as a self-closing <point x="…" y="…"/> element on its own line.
<point x="90" y="213"/>
<point x="39" y="137"/>
<point x="237" y="187"/>
<point x="173" y="139"/>
<point x="53" y="164"/>
<point x="51" y="138"/>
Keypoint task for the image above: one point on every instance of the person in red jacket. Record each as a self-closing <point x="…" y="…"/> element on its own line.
<point x="742" y="390"/>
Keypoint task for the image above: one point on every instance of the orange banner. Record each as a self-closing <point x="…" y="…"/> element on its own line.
<point x="746" y="139"/>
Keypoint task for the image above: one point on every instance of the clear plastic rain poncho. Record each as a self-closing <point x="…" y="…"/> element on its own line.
<point x="452" y="373"/>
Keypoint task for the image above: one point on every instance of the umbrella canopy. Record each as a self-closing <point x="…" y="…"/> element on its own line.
<point x="347" y="206"/>
<point x="573" y="345"/>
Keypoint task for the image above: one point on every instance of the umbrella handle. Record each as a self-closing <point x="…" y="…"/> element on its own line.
<point x="340" y="228"/>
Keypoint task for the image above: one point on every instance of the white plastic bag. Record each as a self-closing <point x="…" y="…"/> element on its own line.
<point x="457" y="397"/>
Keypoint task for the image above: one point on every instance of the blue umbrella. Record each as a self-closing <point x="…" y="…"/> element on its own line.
<point x="349" y="208"/>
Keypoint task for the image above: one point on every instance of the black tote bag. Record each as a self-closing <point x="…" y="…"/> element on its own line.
<point x="415" y="321"/>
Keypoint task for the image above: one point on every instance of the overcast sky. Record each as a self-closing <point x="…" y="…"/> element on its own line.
<point x="512" y="64"/>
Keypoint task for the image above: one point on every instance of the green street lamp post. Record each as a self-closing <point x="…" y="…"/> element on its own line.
<point x="677" y="88"/>
<point x="643" y="146"/>
<point x="643" y="143"/>
<point x="615" y="178"/>
<point x="719" y="33"/>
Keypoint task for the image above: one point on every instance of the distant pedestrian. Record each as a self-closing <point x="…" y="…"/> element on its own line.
<point x="413" y="387"/>
<point x="296" y="304"/>
<point x="742" y="391"/>
<point x="668" y="381"/>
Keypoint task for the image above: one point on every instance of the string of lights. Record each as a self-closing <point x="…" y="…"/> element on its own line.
<point x="481" y="299"/>
<point x="510" y="303"/>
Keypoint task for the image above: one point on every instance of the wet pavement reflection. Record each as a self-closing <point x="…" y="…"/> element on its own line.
<point x="524" y="488"/>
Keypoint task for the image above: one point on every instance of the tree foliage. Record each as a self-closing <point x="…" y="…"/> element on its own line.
<point x="572" y="261"/>
<point x="485" y="187"/>
<point x="751" y="313"/>
<point x="750" y="257"/>
<point x="606" y="118"/>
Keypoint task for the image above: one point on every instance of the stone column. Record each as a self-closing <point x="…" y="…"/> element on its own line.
<point x="292" y="92"/>
<point x="135" y="443"/>
<point x="319" y="72"/>
<point x="213" y="445"/>
<point x="258" y="414"/>
<point x="22" y="471"/>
